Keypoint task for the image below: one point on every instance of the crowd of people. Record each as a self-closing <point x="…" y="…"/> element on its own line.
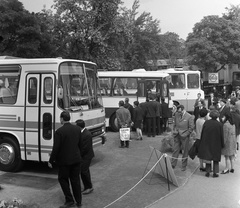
<point x="217" y="127"/>
<point x="150" y="116"/>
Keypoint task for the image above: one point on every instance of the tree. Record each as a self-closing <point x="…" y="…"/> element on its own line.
<point x="214" y="42"/>
<point x="20" y="33"/>
<point x="172" y="47"/>
<point x="142" y="32"/>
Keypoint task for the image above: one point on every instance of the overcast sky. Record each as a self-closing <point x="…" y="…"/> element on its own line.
<point x="177" y="16"/>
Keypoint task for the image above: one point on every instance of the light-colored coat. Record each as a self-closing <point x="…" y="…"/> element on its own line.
<point x="183" y="126"/>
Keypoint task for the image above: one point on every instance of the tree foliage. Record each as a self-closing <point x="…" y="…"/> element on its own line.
<point x="104" y="32"/>
<point x="214" y="42"/>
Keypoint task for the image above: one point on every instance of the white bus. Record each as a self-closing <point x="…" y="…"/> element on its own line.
<point x="33" y="93"/>
<point x="184" y="85"/>
<point x="135" y="85"/>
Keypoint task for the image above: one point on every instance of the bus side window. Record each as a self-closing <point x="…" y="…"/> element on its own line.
<point x="48" y="90"/>
<point x="32" y="90"/>
<point x="193" y="81"/>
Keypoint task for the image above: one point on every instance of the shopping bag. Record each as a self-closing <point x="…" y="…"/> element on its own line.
<point x="192" y="153"/>
<point x="124" y="134"/>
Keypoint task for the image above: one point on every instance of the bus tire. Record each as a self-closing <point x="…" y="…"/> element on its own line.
<point x="113" y="123"/>
<point x="10" y="157"/>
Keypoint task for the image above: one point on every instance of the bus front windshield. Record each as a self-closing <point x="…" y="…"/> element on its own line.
<point x="78" y="87"/>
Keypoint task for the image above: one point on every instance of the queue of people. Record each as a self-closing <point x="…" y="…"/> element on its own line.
<point x="217" y="130"/>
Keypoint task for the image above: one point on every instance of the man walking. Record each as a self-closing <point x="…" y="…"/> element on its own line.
<point x="66" y="153"/>
<point x="87" y="155"/>
<point x="182" y="128"/>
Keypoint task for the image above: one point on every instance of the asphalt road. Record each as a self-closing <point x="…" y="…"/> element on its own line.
<point x="116" y="175"/>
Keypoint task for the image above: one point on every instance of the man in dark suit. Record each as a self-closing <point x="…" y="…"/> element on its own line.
<point x="182" y="128"/>
<point x="128" y="106"/>
<point x="197" y="110"/>
<point x="151" y="113"/>
<point x="87" y="155"/>
<point x="165" y="114"/>
<point x="223" y="110"/>
<point x="66" y="152"/>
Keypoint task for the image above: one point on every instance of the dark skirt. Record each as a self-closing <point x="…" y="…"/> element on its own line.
<point x="138" y="124"/>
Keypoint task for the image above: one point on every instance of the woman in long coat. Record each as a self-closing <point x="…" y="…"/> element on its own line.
<point x="211" y="143"/>
<point x="231" y="130"/>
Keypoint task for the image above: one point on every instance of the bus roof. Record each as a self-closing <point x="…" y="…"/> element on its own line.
<point x="177" y="71"/>
<point x="133" y="74"/>
<point x="39" y="61"/>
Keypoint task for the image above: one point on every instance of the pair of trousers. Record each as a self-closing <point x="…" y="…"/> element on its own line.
<point x="151" y="126"/>
<point x="215" y="167"/>
<point x="70" y="173"/>
<point x="126" y="143"/>
<point x="85" y="174"/>
<point x="158" y="123"/>
<point x="164" y="123"/>
<point x="178" y="143"/>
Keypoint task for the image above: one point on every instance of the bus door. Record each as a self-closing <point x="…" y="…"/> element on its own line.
<point x="39" y="116"/>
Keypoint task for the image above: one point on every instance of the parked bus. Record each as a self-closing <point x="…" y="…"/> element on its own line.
<point x="184" y="87"/>
<point x="33" y="93"/>
<point x="135" y="85"/>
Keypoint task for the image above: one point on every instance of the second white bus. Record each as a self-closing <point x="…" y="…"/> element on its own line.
<point x="135" y="85"/>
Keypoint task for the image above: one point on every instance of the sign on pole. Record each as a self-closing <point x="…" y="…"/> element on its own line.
<point x="213" y="78"/>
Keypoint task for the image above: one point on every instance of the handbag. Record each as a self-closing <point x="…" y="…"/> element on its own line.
<point x="192" y="153"/>
<point x="124" y="134"/>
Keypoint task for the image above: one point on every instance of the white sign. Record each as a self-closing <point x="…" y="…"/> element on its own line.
<point x="213" y="78"/>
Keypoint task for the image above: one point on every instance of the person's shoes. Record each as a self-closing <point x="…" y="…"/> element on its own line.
<point x="149" y="136"/>
<point x="232" y="170"/>
<point x="202" y="169"/>
<point x="215" y="175"/>
<point x="140" y="138"/>
<point x="173" y="167"/>
<point x="78" y="205"/>
<point x="153" y="135"/>
<point x="127" y="146"/>
<point x="207" y="174"/>
<point x="225" y="171"/>
<point x="67" y="204"/>
<point x="121" y="146"/>
<point x="87" y="191"/>
<point x="183" y="168"/>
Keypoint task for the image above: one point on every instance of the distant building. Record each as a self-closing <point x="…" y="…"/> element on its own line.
<point x="166" y="64"/>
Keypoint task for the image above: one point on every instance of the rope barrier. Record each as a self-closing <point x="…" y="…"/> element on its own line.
<point x="174" y="190"/>
<point x="164" y="155"/>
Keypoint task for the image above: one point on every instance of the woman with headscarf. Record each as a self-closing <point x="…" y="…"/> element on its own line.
<point x="211" y="143"/>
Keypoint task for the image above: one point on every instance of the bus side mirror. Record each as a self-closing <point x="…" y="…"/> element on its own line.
<point x="60" y="93"/>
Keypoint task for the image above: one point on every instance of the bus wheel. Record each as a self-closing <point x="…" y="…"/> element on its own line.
<point x="113" y="123"/>
<point x="10" y="158"/>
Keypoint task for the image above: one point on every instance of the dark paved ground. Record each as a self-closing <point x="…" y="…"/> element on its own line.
<point x="115" y="171"/>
